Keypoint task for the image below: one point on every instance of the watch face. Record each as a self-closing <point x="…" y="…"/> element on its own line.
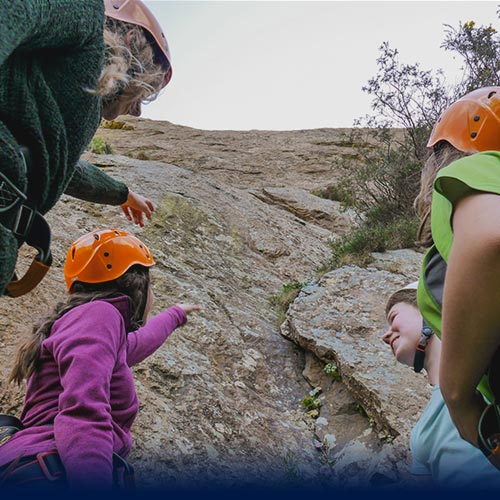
<point x="427" y="331"/>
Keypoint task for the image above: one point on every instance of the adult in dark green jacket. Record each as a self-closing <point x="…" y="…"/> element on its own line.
<point x="459" y="289"/>
<point x="65" y="64"/>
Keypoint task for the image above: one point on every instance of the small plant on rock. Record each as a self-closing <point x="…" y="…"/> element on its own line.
<point x="285" y="297"/>
<point x="312" y="403"/>
<point x="326" y="452"/>
<point x="115" y="124"/>
<point x="333" y="370"/>
<point x="361" y="410"/>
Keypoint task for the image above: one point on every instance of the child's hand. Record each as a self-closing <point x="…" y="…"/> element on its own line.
<point x="189" y="308"/>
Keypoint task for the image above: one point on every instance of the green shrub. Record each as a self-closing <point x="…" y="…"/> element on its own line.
<point x="376" y="236"/>
<point x="381" y="178"/>
<point x="100" y="147"/>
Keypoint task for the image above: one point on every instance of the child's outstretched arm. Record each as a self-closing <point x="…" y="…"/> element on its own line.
<point x="146" y="340"/>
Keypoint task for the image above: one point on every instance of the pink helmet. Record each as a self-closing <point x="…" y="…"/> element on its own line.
<point x="135" y="12"/>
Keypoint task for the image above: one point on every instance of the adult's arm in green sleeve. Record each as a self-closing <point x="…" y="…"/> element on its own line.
<point x="90" y="183"/>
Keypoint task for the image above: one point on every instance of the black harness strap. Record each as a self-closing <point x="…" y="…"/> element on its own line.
<point x="427" y="333"/>
<point x="23" y="470"/>
<point x="128" y="473"/>
<point x="28" y="225"/>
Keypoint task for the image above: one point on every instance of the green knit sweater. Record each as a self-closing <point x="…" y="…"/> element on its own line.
<point x="51" y="52"/>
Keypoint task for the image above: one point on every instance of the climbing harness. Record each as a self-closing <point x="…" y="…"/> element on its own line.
<point x="22" y="470"/>
<point x="48" y="465"/>
<point x="489" y="422"/>
<point x="489" y="434"/>
<point x="28" y="225"/>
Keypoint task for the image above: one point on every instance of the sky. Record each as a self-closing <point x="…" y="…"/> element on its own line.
<point x="292" y="65"/>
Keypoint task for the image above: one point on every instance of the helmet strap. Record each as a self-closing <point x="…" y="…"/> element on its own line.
<point x="425" y="338"/>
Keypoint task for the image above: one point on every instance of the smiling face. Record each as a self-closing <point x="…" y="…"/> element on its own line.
<point x="405" y="325"/>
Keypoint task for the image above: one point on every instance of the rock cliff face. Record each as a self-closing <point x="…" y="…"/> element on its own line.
<point x="221" y="401"/>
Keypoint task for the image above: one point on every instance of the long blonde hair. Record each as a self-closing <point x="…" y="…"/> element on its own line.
<point x="130" y="72"/>
<point x="442" y="155"/>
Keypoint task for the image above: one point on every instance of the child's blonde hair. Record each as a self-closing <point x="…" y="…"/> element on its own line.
<point x="129" y="72"/>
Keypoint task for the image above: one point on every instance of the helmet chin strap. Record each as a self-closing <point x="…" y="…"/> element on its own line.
<point x="425" y="338"/>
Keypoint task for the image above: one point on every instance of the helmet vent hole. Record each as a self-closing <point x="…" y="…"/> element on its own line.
<point x="477" y="118"/>
<point x="491" y="94"/>
<point x="473" y="134"/>
<point x="106" y="254"/>
<point x="96" y="237"/>
<point x="109" y="266"/>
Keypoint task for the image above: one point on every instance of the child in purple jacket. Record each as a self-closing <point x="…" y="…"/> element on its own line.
<point x="80" y="399"/>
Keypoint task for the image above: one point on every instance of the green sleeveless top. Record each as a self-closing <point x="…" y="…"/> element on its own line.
<point x="478" y="172"/>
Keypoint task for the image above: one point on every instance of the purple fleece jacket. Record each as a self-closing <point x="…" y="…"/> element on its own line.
<point x="85" y="388"/>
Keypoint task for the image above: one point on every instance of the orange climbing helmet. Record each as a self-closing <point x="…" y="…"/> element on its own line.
<point x="471" y="124"/>
<point x="136" y="12"/>
<point x="104" y="255"/>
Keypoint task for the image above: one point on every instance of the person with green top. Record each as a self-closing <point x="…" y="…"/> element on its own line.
<point x="64" y="65"/>
<point x="440" y="458"/>
<point x="459" y="286"/>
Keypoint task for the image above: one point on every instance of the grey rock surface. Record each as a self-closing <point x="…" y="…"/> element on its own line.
<point x="221" y="400"/>
<point x="340" y="319"/>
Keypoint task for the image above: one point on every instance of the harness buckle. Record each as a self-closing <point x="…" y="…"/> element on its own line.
<point x="23" y="221"/>
<point x="45" y="465"/>
<point x="10" y="195"/>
